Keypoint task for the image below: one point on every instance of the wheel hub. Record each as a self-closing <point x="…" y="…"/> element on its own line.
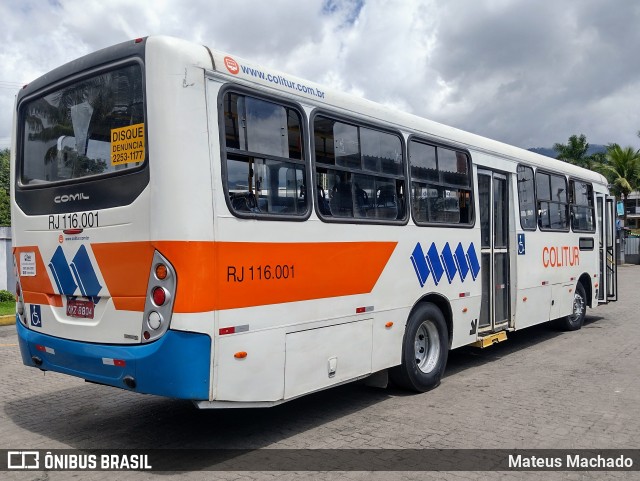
<point x="427" y="346"/>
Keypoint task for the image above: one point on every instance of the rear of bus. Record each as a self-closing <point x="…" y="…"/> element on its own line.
<point x="95" y="223"/>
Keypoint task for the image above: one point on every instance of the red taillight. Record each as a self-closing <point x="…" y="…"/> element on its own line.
<point x="159" y="296"/>
<point x="18" y="289"/>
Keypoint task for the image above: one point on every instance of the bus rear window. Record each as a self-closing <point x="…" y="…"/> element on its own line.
<point x="91" y="127"/>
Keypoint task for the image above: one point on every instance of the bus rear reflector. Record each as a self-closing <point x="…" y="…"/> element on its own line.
<point x="48" y="350"/>
<point x="114" y="362"/>
<point x="360" y="310"/>
<point x="233" y="329"/>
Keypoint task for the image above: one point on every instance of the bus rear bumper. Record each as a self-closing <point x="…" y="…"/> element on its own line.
<point x="176" y="365"/>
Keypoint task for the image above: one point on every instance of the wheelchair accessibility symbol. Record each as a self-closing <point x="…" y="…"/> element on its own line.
<point x="35" y="315"/>
<point x="521" y="246"/>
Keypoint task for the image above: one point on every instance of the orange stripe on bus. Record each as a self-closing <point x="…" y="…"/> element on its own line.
<point x="228" y="275"/>
<point x="36" y="289"/>
<point x="125" y="267"/>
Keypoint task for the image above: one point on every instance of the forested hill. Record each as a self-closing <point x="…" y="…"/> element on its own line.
<point x="549" y="152"/>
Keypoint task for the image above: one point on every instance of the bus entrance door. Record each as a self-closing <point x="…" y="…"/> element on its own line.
<point x="494" y="231"/>
<point x="608" y="275"/>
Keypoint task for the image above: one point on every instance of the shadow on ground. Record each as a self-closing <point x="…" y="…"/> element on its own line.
<point x="99" y="417"/>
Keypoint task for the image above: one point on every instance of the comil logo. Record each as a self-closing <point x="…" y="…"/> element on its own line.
<point x="232" y="65"/>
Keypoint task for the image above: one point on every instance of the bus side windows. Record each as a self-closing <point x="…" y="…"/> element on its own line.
<point x="440" y="185"/>
<point x="582" y="209"/>
<point x="264" y="166"/>
<point x="359" y="171"/>
<point x="526" y="198"/>
<point x="552" y="201"/>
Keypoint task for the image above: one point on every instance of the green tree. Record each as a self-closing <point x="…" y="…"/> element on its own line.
<point x="622" y="170"/>
<point x="5" y="204"/>
<point x="575" y="151"/>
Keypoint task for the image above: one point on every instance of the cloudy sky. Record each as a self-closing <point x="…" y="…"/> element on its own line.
<point x="529" y="73"/>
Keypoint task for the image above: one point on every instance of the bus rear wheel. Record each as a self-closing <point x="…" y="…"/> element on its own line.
<point x="574" y="321"/>
<point x="425" y="348"/>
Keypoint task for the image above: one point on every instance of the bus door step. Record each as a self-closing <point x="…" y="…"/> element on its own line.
<point x="490" y="339"/>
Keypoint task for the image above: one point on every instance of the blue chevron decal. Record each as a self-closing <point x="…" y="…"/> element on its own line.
<point x="438" y="263"/>
<point x="77" y="274"/>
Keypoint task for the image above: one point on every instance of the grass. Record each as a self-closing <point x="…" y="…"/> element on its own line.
<point x="7" y="308"/>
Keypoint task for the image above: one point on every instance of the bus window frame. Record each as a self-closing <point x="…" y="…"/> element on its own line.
<point x="61" y="85"/>
<point x="472" y="181"/>
<point x="567" y="203"/>
<point x="571" y="183"/>
<point x="304" y="138"/>
<point x="535" y="198"/>
<point x="37" y="199"/>
<point x="355" y="121"/>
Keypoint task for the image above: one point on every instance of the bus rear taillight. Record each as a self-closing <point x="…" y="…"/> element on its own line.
<point x="159" y="303"/>
<point x="161" y="271"/>
<point x="159" y="296"/>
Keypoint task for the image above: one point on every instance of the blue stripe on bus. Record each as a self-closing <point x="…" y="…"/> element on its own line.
<point x="176" y="365"/>
<point x="61" y="273"/>
<point x="473" y="261"/>
<point x="461" y="261"/>
<point x="85" y="274"/>
<point x="435" y="265"/>
<point x="420" y="264"/>
<point x="449" y="263"/>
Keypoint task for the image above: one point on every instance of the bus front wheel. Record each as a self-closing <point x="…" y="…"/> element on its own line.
<point x="425" y="348"/>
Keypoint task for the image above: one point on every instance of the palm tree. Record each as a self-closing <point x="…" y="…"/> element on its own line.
<point x="622" y="170"/>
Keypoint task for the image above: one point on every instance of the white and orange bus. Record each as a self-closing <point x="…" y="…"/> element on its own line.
<point x="192" y="225"/>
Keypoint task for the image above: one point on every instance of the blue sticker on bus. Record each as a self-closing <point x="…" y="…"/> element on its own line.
<point x="35" y="314"/>
<point x="437" y="263"/>
<point x="420" y="264"/>
<point x="80" y="273"/>
<point x="521" y="245"/>
<point x="463" y="267"/>
<point x="449" y="263"/>
<point x="61" y="273"/>
<point x="474" y="264"/>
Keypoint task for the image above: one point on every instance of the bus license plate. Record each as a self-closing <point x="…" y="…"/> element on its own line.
<point x="80" y="308"/>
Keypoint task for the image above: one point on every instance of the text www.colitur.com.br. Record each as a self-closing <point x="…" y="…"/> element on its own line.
<point x="279" y="80"/>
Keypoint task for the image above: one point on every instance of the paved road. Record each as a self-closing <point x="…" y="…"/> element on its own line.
<point x="541" y="389"/>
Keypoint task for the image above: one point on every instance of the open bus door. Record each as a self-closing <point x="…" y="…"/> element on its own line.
<point x="608" y="257"/>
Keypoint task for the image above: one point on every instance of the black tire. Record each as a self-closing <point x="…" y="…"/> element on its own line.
<point x="425" y="348"/>
<point x="574" y="321"/>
